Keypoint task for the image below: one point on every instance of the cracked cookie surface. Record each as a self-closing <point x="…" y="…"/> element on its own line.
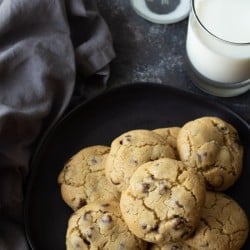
<point x="223" y="225"/>
<point x="163" y="201"/>
<point x="212" y="146"/>
<point x="129" y="151"/>
<point x="169" y="134"/>
<point x="83" y="180"/>
<point x="100" y="226"/>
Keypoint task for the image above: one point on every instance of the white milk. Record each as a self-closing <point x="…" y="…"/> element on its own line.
<point x="217" y="60"/>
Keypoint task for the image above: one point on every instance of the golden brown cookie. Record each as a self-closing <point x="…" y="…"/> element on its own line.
<point x="130" y="150"/>
<point x="83" y="179"/>
<point x="163" y="201"/>
<point x="223" y="225"/>
<point x="169" y="134"/>
<point x="100" y="225"/>
<point x="212" y="146"/>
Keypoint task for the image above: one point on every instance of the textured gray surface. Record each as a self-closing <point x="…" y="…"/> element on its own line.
<point x="148" y="52"/>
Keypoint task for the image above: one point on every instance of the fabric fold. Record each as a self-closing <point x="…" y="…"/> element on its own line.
<point x="88" y="25"/>
<point x="43" y="46"/>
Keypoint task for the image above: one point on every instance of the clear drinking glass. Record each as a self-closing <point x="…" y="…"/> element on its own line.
<point x="218" y="46"/>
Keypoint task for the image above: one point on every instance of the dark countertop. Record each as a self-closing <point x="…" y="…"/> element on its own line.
<point x="148" y="52"/>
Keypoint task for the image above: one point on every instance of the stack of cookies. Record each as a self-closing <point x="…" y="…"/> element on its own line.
<point x="157" y="189"/>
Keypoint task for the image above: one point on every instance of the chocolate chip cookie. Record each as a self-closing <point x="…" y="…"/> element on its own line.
<point x="100" y="225"/>
<point x="83" y="179"/>
<point x="223" y="225"/>
<point x="212" y="146"/>
<point x="130" y="150"/>
<point x="163" y="201"/>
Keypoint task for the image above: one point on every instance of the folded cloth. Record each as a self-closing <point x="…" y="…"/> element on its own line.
<point x="44" y="45"/>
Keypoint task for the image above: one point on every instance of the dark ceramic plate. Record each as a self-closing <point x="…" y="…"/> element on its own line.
<point x="99" y="121"/>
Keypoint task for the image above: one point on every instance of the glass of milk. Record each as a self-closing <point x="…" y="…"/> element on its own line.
<point x="218" y="46"/>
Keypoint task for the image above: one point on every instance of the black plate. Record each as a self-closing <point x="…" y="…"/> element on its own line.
<point x="99" y="121"/>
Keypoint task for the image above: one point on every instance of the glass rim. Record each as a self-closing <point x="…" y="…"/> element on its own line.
<point x="207" y="30"/>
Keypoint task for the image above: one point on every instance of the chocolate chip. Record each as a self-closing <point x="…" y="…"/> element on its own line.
<point x="105" y="205"/>
<point x="148" y="228"/>
<point x="163" y="188"/>
<point x="93" y="161"/>
<point x="88" y="234"/>
<point x="106" y="218"/>
<point x="87" y="216"/>
<point x="81" y="203"/>
<point x="224" y="130"/>
<point x="145" y="187"/>
<point x="127" y="138"/>
<point x="179" y="222"/>
<point x="201" y="156"/>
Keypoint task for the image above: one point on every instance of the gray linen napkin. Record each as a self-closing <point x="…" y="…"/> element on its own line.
<point x="42" y="46"/>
